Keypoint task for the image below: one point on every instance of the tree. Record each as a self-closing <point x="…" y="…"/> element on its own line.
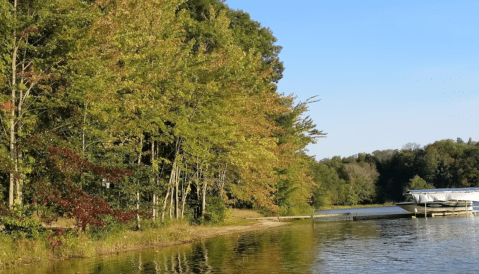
<point x="418" y="183"/>
<point x="37" y="38"/>
<point x="411" y="146"/>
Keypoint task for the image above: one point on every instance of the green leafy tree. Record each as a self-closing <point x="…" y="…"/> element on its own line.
<point x="418" y="183"/>
<point x="37" y="39"/>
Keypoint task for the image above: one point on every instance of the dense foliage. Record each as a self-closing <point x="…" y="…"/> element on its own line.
<point x="385" y="176"/>
<point x="160" y="109"/>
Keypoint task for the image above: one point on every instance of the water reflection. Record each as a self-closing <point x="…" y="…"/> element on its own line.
<point x="376" y="246"/>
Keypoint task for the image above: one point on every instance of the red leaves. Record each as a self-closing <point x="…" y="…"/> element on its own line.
<point x="88" y="209"/>
<point x="124" y="216"/>
<point x="74" y="202"/>
<point x="7" y="106"/>
<point x="4" y="210"/>
<point x="70" y="163"/>
<point x="28" y="31"/>
<point x="55" y="239"/>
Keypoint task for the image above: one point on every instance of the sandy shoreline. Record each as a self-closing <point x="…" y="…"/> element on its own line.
<point x="210" y="232"/>
<point x="196" y="234"/>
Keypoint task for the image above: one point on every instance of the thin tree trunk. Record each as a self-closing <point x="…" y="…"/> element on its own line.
<point x="176" y="192"/>
<point x="173" y="182"/>
<point x="18" y="159"/>
<point x="138" y="226"/>
<point x="185" y="191"/>
<point x="164" y="205"/>
<point x="154" y="176"/>
<point x="19" y="155"/>
<point x="12" y="118"/>
<point x="19" y="178"/>
<point x="172" y="187"/>
<point x="154" y="205"/>
<point x="83" y="136"/>
<point x="203" y="200"/>
<point x="171" y="202"/>
<point x="177" y="170"/>
<point x="223" y="177"/>
<point x="184" y="194"/>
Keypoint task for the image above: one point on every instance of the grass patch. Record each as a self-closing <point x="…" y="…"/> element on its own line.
<point x="235" y="217"/>
<point x="21" y="251"/>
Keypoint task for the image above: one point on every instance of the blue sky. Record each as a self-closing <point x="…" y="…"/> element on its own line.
<point x="387" y="72"/>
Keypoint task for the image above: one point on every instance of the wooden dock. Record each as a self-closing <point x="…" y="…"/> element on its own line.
<point x="411" y="215"/>
<point x="337" y="217"/>
<point x="279" y="218"/>
<point x="360" y="217"/>
<point x="453" y="213"/>
<point x="382" y="216"/>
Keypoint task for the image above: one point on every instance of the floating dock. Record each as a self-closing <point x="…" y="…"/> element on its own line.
<point x="362" y="217"/>
<point x="382" y="216"/>
<point x="279" y="218"/>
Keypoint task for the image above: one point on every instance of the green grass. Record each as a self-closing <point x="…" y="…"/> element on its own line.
<point x="235" y="217"/>
<point x="21" y="251"/>
<point x="15" y="251"/>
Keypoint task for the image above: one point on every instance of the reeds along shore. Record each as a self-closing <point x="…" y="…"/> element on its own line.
<point x="68" y="243"/>
<point x="60" y="243"/>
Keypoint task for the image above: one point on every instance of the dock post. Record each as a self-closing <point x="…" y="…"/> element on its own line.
<point x="425" y="203"/>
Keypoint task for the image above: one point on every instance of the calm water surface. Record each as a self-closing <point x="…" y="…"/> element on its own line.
<point x="432" y="245"/>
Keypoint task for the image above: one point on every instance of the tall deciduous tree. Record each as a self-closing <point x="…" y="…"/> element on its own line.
<point x="37" y="38"/>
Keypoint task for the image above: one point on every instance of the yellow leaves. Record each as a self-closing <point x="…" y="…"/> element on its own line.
<point x="22" y="86"/>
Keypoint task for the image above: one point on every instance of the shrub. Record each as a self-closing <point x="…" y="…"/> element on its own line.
<point x="215" y="210"/>
<point x="22" y="226"/>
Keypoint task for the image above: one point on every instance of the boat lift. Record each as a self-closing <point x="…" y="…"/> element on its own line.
<point x="442" y="201"/>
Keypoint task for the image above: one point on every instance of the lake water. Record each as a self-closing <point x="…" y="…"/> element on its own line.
<point x="432" y="245"/>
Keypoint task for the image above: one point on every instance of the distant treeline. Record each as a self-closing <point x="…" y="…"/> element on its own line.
<point x="385" y="175"/>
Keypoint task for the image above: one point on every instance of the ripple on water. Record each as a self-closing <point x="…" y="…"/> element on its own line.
<point x="447" y="245"/>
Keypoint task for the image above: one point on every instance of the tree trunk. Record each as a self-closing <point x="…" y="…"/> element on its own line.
<point x="176" y="193"/>
<point x="154" y="209"/>
<point x="18" y="160"/>
<point x="138" y="226"/>
<point x="223" y="177"/>
<point x="83" y="136"/>
<point x="184" y="194"/>
<point x="164" y="205"/>
<point x="203" y="200"/>
<point x="170" y="189"/>
<point x="171" y="185"/>
<point x="171" y="202"/>
<point x="12" y="113"/>
<point x="153" y="179"/>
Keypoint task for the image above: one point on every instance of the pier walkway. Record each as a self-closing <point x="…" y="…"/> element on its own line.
<point x="360" y="216"/>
